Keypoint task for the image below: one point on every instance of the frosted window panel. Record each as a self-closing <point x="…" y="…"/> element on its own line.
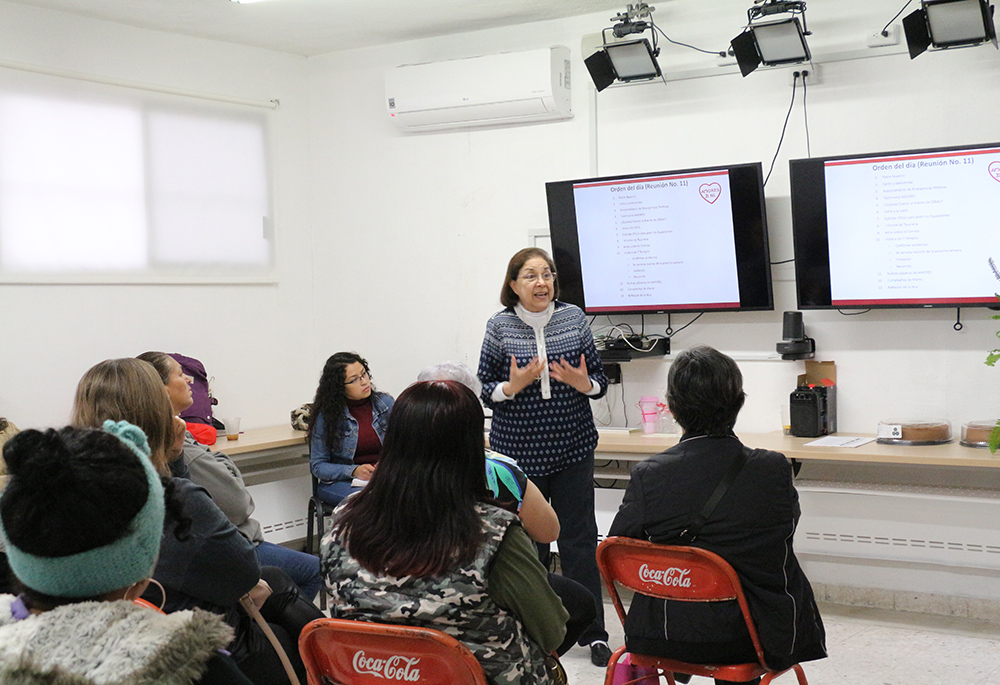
<point x="208" y="190"/>
<point x="71" y="185"/>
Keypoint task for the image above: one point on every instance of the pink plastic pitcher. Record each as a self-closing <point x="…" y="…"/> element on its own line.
<point x="650" y="408"/>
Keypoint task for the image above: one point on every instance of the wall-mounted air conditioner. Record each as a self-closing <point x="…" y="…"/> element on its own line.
<point x="509" y="88"/>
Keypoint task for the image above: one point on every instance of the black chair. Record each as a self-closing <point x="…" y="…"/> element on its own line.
<point x="316" y="514"/>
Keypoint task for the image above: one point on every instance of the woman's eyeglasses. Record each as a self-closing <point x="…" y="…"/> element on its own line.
<point x="547" y="276"/>
<point x="358" y="379"/>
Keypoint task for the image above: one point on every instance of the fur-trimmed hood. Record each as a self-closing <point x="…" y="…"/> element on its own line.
<point x="107" y="643"/>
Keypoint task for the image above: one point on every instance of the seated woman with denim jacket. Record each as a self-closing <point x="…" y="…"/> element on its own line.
<point x="346" y="427"/>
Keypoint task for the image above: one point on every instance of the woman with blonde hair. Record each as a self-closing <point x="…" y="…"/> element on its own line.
<point x="214" y="565"/>
<point x="120" y="390"/>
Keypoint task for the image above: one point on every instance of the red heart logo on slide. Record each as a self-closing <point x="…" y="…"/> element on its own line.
<point x="710" y="191"/>
<point x="995" y="170"/>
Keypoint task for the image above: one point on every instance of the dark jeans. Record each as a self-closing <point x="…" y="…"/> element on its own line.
<point x="579" y="603"/>
<point x="333" y="493"/>
<point x="302" y="568"/>
<point x="571" y="493"/>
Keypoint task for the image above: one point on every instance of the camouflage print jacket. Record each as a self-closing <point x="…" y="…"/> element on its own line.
<point x="456" y="603"/>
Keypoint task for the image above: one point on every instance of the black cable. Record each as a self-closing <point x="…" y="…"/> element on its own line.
<point x="884" y="28"/>
<point x="686" y="325"/>
<point x="783" y="128"/>
<point x="720" y="53"/>
<point x="784" y="261"/>
<point x="805" y="116"/>
<point x="642" y="326"/>
<point x="623" y="323"/>
<point x="863" y="311"/>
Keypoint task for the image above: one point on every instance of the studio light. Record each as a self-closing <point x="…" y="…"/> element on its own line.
<point x="944" y="24"/>
<point x="770" y="41"/>
<point x="630" y="60"/>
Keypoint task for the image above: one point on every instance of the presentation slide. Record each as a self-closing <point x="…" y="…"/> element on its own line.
<point x="913" y="227"/>
<point x="659" y="242"/>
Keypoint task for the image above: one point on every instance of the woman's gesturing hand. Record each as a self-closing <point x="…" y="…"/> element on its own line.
<point x="575" y="376"/>
<point x="522" y="376"/>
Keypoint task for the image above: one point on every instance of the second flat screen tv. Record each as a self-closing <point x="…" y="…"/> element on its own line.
<point x="913" y="228"/>
<point x="691" y="240"/>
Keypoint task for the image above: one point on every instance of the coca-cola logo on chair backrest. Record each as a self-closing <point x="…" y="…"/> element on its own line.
<point x="667" y="577"/>
<point x="398" y="668"/>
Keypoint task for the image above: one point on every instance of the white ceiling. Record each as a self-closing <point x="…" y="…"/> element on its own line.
<point x="313" y="27"/>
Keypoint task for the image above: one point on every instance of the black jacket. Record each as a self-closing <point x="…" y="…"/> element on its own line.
<point x="751" y="528"/>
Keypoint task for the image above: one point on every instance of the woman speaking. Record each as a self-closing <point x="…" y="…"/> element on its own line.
<point x="539" y="368"/>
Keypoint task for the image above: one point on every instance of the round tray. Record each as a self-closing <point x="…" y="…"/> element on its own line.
<point x="900" y="441"/>
<point x="977" y="445"/>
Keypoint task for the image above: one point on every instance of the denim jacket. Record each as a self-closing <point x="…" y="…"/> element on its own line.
<point x="329" y="467"/>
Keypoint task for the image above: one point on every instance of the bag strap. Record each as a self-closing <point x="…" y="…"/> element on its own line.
<point x="689" y="534"/>
<point x="251" y="609"/>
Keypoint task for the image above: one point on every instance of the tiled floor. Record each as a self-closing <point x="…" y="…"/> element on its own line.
<point x="868" y="647"/>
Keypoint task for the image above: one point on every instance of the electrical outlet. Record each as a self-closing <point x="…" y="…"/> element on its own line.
<point x="875" y="39"/>
<point x="727" y="61"/>
<point x="807" y="74"/>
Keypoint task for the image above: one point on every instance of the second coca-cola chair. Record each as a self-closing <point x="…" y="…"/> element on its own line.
<point x="685" y="574"/>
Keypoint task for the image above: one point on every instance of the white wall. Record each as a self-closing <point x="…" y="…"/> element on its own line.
<point x="418" y="228"/>
<point x="251" y="338"/>
<point x="394" y="245"/>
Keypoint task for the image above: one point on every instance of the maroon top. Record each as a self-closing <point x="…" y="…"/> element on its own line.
<point x="369" y="446"/>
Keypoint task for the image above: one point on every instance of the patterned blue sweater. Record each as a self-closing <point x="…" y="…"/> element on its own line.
<point x="544" y="436"/>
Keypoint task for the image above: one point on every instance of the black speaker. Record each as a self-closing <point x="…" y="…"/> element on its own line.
<point x="809" y="412"/>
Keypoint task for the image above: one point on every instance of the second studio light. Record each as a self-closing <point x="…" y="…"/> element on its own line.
<point x="771" y="41"/>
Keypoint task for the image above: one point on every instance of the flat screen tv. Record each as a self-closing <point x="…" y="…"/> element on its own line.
<point x="915" y="228"/>
<point x="691" y="240"/>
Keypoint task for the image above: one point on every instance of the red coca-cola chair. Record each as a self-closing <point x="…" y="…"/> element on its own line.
<point x="342" y="652"/>
<point x="684" y="574"/>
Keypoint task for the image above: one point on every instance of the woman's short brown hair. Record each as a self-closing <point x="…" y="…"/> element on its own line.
<point x="127" y="390"/>
<point x="508" y="298"/>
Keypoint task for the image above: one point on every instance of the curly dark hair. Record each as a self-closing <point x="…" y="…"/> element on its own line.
<point x="331" y="397"/>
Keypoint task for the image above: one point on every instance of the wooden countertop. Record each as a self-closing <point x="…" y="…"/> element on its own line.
<point x="260" y="439"/>
<point x="951" y="454"/>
